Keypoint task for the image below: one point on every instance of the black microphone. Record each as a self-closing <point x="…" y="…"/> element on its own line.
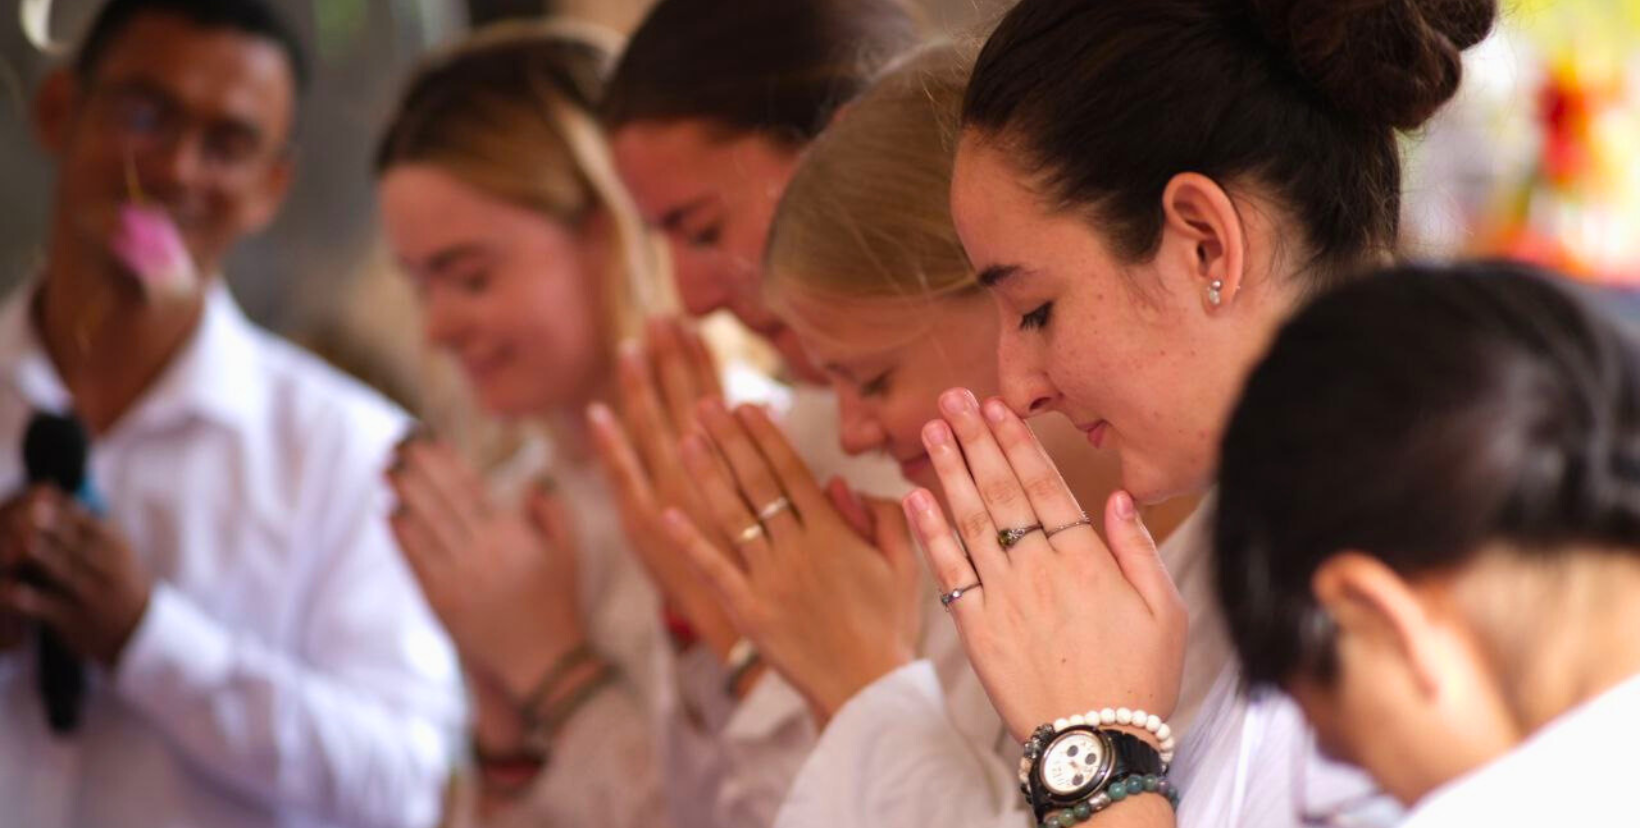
<point x="55" y="449"/>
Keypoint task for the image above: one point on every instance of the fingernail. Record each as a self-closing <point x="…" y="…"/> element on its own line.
<point x="956" y="401"/>
<point x="629" y="350"/>
<point x="936" y="433"/>
<point x="600" y="414"/>
<point x="674" y="519"/>
<point x="995" y="411"/>
<point x="1124" y="506"/>
<point x="922" y="503"/>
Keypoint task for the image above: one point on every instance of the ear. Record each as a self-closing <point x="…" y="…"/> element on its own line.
<point x="1204" y="233"/>
<point x="54" y="107"/>
<point x="1367" y="600"/>
<point x="275" y="187"/>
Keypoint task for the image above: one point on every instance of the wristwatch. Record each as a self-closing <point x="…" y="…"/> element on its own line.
<point x="1082" y="761"/>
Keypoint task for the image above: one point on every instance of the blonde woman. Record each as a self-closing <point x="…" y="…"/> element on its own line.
<point x="865" y="267"/>
<point x="502" y="207"/>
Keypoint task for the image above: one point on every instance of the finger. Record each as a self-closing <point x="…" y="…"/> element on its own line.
<point x="674" y="371"/>
<point x="458" y="492"/>
<point x="706" y="372"/>
<point x="848" y="504"/>
<point x="1135" y="552"/>
<point x="61" y="567"/>
<point x="647" y="425"/>
<point x="791" y="471"/>
<point x="620" y="460"/>
<point x="443" y="528"/>
<point x="421" y="551"/>
<point x="734" y="519"/>
<point x="1050" y="499"/>
<point x="892" y="535"/>
<point x="37" y="604"/>
<point x="718" y="566"/>
<point x="945" y="556"/>
<point x="752" y="475"/>
<point x="972" y="519"/>
<point x="994" y="478"/>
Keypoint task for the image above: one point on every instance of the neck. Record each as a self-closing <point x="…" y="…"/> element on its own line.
<point x="1586" y="644"/>
<point x="107" y="342"/>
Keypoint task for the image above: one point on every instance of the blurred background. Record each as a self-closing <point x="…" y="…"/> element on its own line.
<point x="1529" y="162"/>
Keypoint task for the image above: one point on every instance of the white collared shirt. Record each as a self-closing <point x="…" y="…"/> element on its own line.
<point x="287" y="671"/>
<point x="1575" y="771"/>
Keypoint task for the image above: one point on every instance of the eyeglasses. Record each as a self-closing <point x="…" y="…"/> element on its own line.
<point x="1349" y="799"/>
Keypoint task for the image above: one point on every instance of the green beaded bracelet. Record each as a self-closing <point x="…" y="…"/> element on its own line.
<point x="1119" y="790"/>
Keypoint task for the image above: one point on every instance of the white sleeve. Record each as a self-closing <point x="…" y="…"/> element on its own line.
<point x="891" y="756"/>
<point x="728" y="765"/>
<point x="356" y="717"/>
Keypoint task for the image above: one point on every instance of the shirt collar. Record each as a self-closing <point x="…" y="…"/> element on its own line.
<point x="214" y="376"/>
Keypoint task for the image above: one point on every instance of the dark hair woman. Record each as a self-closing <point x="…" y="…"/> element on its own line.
<point x="1456" y="613"/>
<point x="1149" y="189"/>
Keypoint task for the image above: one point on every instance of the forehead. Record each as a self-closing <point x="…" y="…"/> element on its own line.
<point x="214" y="71"/>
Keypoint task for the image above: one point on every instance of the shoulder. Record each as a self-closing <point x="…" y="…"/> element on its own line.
<point x="311" y="404"/>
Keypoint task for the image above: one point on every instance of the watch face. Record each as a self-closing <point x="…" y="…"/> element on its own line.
<point x="1073" y="762"/>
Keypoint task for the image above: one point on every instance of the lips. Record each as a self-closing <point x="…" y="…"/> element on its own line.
<point x="1096" y="432"/>
<point x="912" y="466"/>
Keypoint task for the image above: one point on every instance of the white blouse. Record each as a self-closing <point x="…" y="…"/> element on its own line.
<point x="1578" y="770"/>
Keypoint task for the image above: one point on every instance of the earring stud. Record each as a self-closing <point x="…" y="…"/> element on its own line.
<point x="1215" y="295"/>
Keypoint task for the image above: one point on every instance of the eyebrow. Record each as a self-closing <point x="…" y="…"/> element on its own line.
<point x="674" y="217"/>
<point x="996" y="274"/>
<point x="840" y="371"/>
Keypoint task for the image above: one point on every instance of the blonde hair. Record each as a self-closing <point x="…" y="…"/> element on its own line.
<point x="511" y="111"/>
<point x="867" y="215"/>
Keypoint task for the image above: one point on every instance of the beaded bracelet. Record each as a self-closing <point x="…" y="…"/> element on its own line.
<point x="1119" y="790"/>
<point x="1107" y="717"/>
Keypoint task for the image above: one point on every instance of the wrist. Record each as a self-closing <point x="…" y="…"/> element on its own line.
<point x="524" y="675"/>
<point x="852" y="682"/>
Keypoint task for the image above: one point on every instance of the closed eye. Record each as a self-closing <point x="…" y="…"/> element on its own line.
<point x="875" y="387"/>
<point x="1037" y="319"/>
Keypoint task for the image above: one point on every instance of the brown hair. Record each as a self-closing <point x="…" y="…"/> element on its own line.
<point x="777" y="67"/>
<point x="510" y="112"/>
<point x="1104" y="101"/>
<point x="867" y="214"/>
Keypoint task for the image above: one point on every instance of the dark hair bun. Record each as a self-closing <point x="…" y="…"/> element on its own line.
<point x="1391" y="62"/>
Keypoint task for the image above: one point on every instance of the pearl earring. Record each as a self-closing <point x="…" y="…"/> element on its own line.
<point x="1215" y="295"/>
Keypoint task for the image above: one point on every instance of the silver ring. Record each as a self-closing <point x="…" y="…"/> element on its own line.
<point x="749" y="534"/>
<point x="948" y="598"/>
<point x="1084" y="521"/>
<point x="775" y="507"/>
<point x="1009" y="537"/>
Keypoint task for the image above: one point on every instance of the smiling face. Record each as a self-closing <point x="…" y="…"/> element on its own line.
<point x="1131" y="353"/>
<point x="888" y="361"/>
<point x="713" y="197"/>
<point x="491" y="275"/>
<point x="198" y="118"/>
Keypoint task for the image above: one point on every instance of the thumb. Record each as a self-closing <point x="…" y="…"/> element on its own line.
<point x="848" y="504"/>
<point x="1135" y="553"/>
<point x="892" y="535"/>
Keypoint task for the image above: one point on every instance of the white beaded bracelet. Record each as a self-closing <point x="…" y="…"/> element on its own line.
<point x="1111" y="716"/>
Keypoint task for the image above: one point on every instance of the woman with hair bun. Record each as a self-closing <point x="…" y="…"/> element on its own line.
<point x="1456" y="614"/>
<point x="1148" y="189"/>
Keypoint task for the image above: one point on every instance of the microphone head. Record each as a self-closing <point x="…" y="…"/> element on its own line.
<point x="55" y="449"/>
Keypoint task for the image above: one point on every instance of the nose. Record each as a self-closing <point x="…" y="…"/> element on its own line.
<point x="700" y="288"/>
<point x="1025" y="385"/>
<point x="858" y="430"/>
<point x="442" y="323"/>
<point x="175" y="167"/>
